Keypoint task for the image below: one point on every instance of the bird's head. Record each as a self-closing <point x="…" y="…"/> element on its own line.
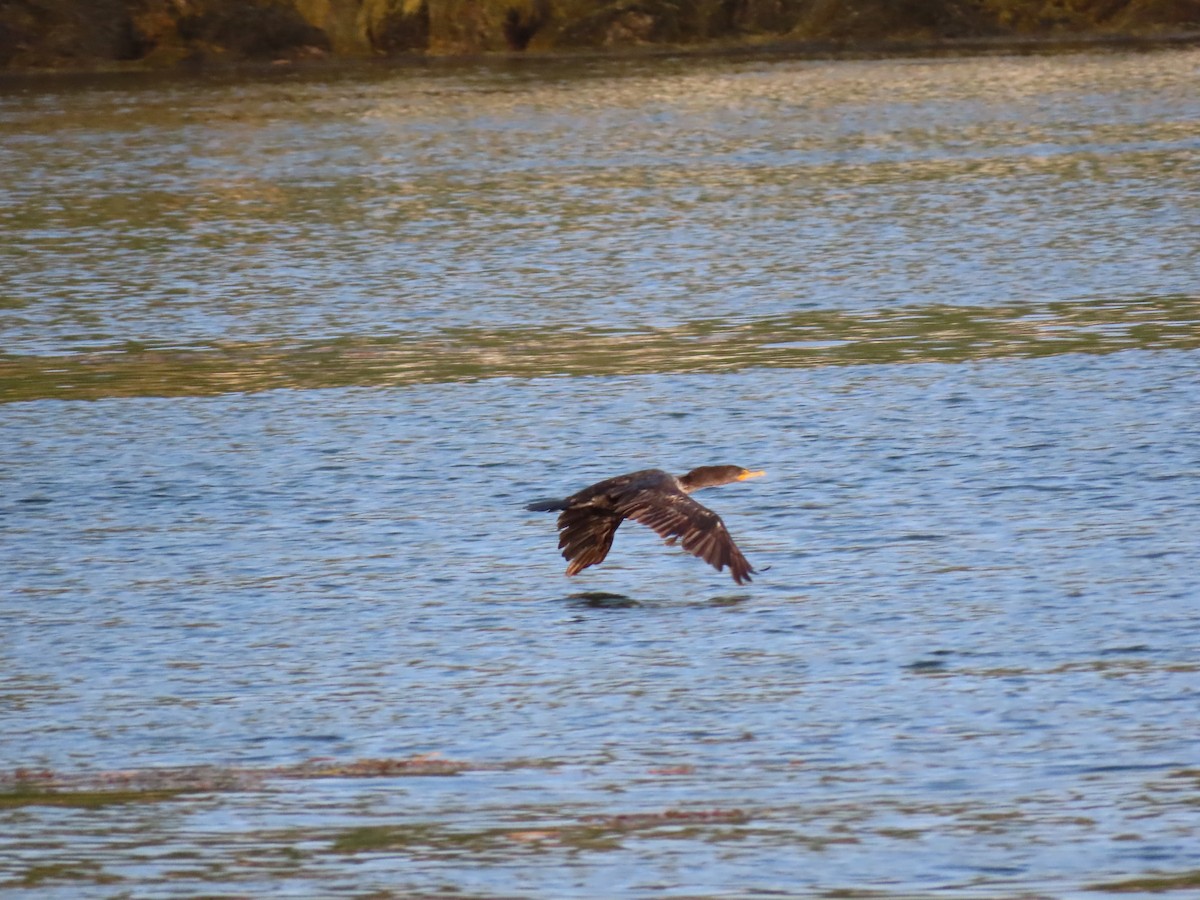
<point x="712" y="476"/>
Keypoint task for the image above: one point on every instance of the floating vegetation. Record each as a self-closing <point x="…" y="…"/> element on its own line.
<point x="588" y="833"/>
<point x="631" y="821"/>
<point x="293" y="848"/>
<point x="58" y="872"/>
<point x="1151" y="884"/>
<point x="22" y="787"/>
<point x="25" y="795"/>
<point x="93" y="790"/>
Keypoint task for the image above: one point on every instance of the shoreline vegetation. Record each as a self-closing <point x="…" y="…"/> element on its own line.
<point x="54" y="36"/>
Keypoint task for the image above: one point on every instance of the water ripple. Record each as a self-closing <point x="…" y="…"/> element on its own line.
<point x="800" y="340"/>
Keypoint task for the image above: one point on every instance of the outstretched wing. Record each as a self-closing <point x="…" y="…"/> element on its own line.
<point x="678" y="518"/>
<point x="586" y="535"/>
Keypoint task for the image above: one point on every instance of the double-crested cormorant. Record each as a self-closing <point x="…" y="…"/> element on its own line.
<point x="657" y="499"/>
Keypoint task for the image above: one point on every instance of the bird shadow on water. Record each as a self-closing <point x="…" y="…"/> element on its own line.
<point x="602" y="600"/>
<point x="727" y="600"/>
<point x="609" y="600"/>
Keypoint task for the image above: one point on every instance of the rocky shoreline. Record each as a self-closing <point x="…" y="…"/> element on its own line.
<point x="157" y="35"/>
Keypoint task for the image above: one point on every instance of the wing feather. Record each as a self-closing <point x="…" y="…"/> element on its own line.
<point x="676" y="517"/>
<point x="585" y="536"/>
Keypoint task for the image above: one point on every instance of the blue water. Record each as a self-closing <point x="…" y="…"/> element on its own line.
<point x="969" y="664"/>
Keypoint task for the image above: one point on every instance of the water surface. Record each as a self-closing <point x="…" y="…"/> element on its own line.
<point x="285" y="357"/>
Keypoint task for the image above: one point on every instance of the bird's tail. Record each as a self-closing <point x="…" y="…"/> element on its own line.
<point x="546" y="506"/>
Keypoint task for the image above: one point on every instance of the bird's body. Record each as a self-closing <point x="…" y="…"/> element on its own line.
<point x="589" y="518"/>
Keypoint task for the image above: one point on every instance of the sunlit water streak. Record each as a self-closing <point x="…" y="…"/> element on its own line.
<point x="335" y="332"/>
<point x="805" y="339"/>
<point x="609" y="194"/>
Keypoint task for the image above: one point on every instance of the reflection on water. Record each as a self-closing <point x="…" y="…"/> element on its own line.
<point x="811" y="338"/>
<point x="274" y="619"/>
<point x="614" y="195"/>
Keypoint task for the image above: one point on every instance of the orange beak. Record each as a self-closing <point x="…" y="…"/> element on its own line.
<point x="748" y="474"/>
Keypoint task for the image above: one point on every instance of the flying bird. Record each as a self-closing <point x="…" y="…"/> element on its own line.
<point x="589" y="518"/>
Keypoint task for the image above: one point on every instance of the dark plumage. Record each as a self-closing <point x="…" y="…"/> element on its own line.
<point x="657" y="499"/>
